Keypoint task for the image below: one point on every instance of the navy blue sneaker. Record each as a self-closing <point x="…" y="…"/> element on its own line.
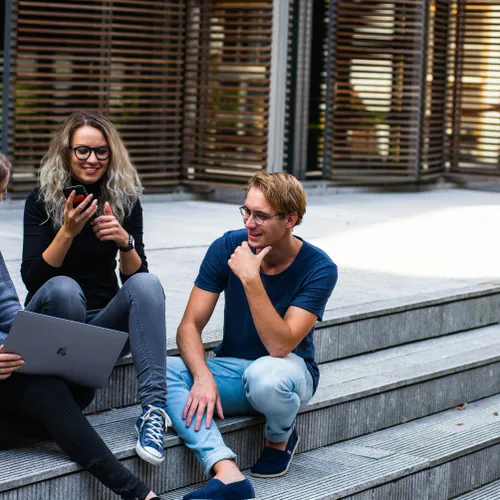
<point x="215" y="489"/>
<point x="275" y="463"/>
<point x="150" y="429"/>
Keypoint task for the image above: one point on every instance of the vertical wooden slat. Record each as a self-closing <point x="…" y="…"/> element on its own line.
<point x="228" y="61"/>
<point x="123" y="58"/>
<point x="476" y="91"/>
<point x="435" y="147"/>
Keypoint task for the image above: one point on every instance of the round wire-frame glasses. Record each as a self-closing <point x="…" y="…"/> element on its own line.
<point x="258" y="217"/>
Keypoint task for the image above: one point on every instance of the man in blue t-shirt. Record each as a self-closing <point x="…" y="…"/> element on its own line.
<point x="276" y="287"/>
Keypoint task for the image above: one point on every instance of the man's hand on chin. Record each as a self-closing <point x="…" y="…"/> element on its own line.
<point x="245" y="264"/>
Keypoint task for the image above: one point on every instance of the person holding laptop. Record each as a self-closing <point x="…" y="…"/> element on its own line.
<point x="85" y="212"/>
<point x="36" y="406"/>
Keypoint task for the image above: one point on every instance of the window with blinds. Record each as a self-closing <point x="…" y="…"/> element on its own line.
<point x="124" y="58"/>
<point x="375" y="90"/>
<point x="228" y="62"/>
<point x="475" y="83"/>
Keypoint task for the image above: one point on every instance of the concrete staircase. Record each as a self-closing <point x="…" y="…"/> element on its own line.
<point x="406" y="409"/>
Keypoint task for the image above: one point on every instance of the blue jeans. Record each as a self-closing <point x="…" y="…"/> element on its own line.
<point x="138" y="308"/>
<point x="274" y="387"/>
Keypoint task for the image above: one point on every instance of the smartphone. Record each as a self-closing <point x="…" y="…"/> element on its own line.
<point x="80" y="193"/>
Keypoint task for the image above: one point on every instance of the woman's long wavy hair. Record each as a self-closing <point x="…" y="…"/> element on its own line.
<point x="120" y="185"/>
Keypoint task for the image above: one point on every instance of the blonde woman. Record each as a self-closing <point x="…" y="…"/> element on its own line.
<point x="39" y="406"/>
<point x="70" y="249"/>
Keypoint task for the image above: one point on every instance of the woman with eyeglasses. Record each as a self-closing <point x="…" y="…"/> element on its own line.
<point x="69" y="259"/>
<point x="47" y="407"/>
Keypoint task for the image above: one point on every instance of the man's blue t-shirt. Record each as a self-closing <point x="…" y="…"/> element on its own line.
<point x="307" y="283"/>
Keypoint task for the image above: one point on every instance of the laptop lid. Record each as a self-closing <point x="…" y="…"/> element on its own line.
<point x="77" y="352"/>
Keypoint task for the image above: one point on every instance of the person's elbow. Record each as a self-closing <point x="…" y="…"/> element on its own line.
<point x="280" y="351"/>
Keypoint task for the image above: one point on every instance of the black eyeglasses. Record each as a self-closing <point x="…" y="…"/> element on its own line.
<point x="258" y="217"/>
<point x="83" y="152"/>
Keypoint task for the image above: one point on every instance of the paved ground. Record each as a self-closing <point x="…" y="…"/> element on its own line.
<point x="387" y="245"/>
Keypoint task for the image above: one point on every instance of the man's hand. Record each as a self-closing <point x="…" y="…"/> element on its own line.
<point x="204" y="396"/>
<point x="9" y="363"/>
<point x="245" y="264"/>
<point x="107" y="228"/>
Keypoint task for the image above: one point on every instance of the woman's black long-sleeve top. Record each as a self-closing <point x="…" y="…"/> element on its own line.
<point x="89" y="261"/>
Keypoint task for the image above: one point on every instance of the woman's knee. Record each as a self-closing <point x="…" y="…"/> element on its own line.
<point x="146" y="285"/>
<point x="63" y="297"/>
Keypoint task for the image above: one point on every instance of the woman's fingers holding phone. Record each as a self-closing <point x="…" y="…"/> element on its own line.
<point x="70" y="201"/>
<point x="84" y="204"/>
<point x="88" y="212"/>
<point x="74" y="219"/>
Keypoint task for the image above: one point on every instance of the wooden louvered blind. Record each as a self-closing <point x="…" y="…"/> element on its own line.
<point x="476" y="83"/>
<point x="123" y="58"/>
<point x="375" y="79"/>
<point x="228" y="62"/>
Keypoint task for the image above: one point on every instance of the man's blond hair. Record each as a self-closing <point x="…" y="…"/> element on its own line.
<point x="282" y="191"/>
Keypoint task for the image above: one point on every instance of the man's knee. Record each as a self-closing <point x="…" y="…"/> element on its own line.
<point x="262" y="379"/>
<point x="269" y="380"/>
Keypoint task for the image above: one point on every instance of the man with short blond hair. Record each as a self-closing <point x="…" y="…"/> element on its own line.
<point x="276" y="287"/>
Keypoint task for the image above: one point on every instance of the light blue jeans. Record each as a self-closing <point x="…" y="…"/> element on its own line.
<point x="138" y="308"/>
<point x="274" y="387"/>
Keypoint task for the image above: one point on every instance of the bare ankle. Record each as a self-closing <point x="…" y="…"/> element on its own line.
<point x="151" y="495"/>
<point x="277" y="446"/>
<point x="227" y="471"/>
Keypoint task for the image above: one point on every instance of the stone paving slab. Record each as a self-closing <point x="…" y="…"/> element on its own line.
<point x="388" y="245"/>
<point x="488" y="492"/>
<point x="456" y="439"/>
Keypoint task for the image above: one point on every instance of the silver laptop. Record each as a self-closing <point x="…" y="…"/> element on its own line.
<point x="77" y="352"/>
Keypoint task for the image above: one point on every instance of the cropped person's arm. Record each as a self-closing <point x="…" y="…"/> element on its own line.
<point x="9" y="301"/>
<point x="204" y="395"/>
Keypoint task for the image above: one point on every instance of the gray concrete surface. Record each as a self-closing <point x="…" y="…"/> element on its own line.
<point x="356" y="396"/>
<point x="387" y="245"/>
<point x="433" y="458"/>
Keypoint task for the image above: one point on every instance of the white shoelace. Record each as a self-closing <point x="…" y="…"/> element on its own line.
<point x="157" y="422"/>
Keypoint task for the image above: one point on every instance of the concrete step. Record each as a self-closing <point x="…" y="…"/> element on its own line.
<point x="352" y="331"/>
<point x="489" y="492"/>
<point x="356" y="396"/>
<point x="433" y="458"/>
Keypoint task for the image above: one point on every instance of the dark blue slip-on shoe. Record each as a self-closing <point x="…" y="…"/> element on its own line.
<point x="275" y="463"/>
<point x="217" y="490"/>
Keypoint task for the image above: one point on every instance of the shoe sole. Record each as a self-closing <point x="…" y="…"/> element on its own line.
<point x="147" y="457"/>
<point x="270" y="476"/>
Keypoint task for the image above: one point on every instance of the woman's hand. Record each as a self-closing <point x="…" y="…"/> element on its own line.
<point x="76" y="217"/>
<point x="107" y="228"/>
<point x="9" y="363"/>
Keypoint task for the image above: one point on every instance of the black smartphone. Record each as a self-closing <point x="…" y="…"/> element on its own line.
<point x="80" y="193"/>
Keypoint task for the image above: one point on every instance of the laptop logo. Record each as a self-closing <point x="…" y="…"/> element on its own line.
<point x="62" y="351"/>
